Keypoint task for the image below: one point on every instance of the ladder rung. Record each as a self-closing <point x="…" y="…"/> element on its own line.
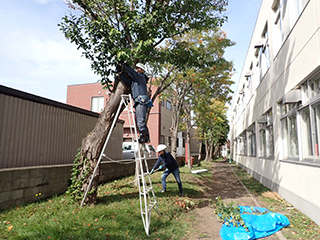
<point x="150" y="207"/>
<point x="144" y="174"/>
<point x="146" y="191"/>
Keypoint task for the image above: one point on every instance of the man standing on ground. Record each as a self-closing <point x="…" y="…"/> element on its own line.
<point x="167" y="160"/>
<point x="138" y="82"/>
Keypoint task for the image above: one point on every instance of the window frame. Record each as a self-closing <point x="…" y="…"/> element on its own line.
<point x="266" y="135"/>
<point x="95" y="106"/>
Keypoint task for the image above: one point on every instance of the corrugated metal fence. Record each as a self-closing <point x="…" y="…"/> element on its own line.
<point x="35" y="131"/>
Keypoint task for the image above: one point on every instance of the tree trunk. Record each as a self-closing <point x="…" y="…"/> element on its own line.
<point x="188" y="148"/>
<point x="174" y="136"/>
<point x="207" y="151"/>
<point x="93" y="143"/>
<point x="199" y="153"/>
<point x="210" y="151"/>
<point x="174" y="131"/>
<point x="216" y="151"/>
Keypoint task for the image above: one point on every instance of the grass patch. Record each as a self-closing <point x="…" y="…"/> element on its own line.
<point x="115" y="216"/>
<point x="301" y="227"/>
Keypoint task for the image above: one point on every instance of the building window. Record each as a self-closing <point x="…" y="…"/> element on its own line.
<point x="248" y="76"/>
<point x="316" y="129"/>
<point x="242" y="144"/>
<point x="310" y="120"/>
<point x="251" y="136"/>
<point x="168" y="105"/>
<point x="162" y="139"/>
<point x="286" y="14"/>
<point x="289" y="130"/>
<point x="263" y="53"/>
<point x="278" y="25"/>
<point x="183" y="139"/>
<point x="266" y="135"/>
<point x="310" y="89"/>
<point x="97" y="104"/>
<point x="306" y="133"/>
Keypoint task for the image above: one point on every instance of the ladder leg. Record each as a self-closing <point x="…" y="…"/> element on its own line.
<point x="102" y="151"/>
<point x="146" y="193"/>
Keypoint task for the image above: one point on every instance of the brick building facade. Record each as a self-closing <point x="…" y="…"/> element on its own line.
<point x="92" y="96"/>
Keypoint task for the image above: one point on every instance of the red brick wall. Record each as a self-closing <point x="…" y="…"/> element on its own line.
<point x="80" y="96"/>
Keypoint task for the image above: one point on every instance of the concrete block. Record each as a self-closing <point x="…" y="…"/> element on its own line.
<point x="56" y="178"/>
<point x="16" y="194"/>
<point x="4" y="197"/>
<point x="5" y="185"/>
<point x="38" y="181"/>
<point x="31" y="193"/>
<point x="21" y="174"/>
<point x="6" y="176"/>
<point x="36" y="172"/>
<point x="54" y="171"/>
<point x="20" y="184"/>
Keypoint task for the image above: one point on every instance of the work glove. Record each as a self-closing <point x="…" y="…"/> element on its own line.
<point x="151" y="171"/>
<point x="160" y="167"/>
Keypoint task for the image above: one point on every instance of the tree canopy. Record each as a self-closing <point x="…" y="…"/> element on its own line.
<point x="193" y="88"/>
<point x="133" y="31"/>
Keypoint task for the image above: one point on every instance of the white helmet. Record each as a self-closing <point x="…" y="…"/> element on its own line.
<point x="161" y="147"/>
<point x="140" y="65"/>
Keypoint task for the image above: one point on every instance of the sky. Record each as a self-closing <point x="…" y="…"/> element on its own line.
<point x="36" y="58"/>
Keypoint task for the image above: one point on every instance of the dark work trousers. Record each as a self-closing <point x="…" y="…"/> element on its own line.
<point x="141" y="114"/>
<point x="176" y="174"/>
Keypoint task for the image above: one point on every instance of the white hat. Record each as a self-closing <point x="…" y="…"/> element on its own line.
<point x="140" y="65"/>
<point x="161" y="147"/>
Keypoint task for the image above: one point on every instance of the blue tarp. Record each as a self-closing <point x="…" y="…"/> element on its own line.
<point x="258" y="225"/>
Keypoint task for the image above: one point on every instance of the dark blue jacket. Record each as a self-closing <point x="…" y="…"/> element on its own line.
<point x="167" y="160"/>
<point x="138" y="81"/>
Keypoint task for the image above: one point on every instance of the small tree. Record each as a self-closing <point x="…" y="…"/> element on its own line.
<point x="208" y="78"/>
<point x="213" y="127"/>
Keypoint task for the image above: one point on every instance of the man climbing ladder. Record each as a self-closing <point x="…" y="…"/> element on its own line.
<point x="138" y="82"/>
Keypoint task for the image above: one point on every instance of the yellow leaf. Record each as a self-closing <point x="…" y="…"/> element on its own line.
<point x="100" y="229"/>
<point x="9" y="228"/>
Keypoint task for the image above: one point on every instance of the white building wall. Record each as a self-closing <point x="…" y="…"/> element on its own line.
<point x="292" y="62"/>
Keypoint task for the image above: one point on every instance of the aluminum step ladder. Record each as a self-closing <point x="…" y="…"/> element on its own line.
<point x="147" y="196"/>
<point x="146" y="193"/>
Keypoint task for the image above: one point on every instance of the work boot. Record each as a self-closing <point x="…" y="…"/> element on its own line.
<point x="143" y="137"/>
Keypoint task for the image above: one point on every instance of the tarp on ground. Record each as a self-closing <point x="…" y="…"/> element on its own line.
<point x="259" y="226"/>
